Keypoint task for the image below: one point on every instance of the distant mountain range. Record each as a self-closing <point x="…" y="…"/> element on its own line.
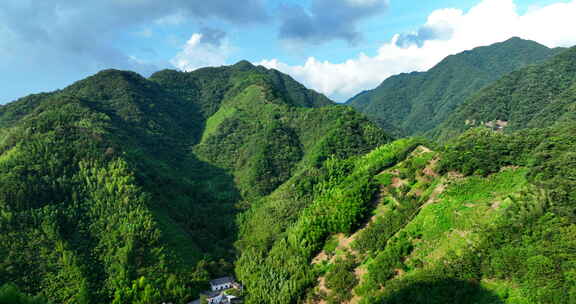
<point x="124" y="189"/>
<point x="418" y="102"/>
<point x="536" y="96"/>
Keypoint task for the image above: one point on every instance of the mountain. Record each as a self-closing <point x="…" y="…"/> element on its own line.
<point x="489" y="218"/>
<point x="486" y="217"/>
<point x="122" y="189"/>
<point x="418" y="102"/>
<point x="534" y="97"/>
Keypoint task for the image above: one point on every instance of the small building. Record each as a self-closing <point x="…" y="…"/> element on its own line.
<point x="217" y="294"/>
<point x="222" y="283"/>
<point x="213" y="297"/>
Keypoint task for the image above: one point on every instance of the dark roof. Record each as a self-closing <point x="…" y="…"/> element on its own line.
<point x="223" y="280"/>
<point x="211" y="294"/>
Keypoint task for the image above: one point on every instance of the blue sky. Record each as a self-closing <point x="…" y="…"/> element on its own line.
<point x="337" y="47"/>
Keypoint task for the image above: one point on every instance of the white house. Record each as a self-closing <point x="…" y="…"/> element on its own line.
<point x="212" y="297"/>
<point x="222" y="283"/>
<point x="217" y="294"/>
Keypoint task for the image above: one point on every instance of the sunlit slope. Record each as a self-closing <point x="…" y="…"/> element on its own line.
<point x="534" y="97"/>
<point x="488" y="219"/>
<point x="418" y="102"/>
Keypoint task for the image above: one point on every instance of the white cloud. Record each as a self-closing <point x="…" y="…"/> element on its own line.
<point x="488" y="22"/>
<point x="196" y="54"/>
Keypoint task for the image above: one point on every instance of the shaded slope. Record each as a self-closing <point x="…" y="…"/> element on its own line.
<point x="419" y="101"/>
<point x="97" y="173"/>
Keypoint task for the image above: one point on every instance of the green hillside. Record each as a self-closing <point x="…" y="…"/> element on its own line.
<point x="124" y="189"/>
<point x="490" y="218"/>
<point x="534" y="97"/>
<point x="418" y="102"/>
<point x="121" y="189"/>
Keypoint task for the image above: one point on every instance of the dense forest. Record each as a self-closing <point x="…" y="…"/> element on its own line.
<point x="121" y="189"/>
<point x="534" y="97"/>
<point x="125" y="189"/>
<point x="487" y="218"/>
<point x="412" y="104"/>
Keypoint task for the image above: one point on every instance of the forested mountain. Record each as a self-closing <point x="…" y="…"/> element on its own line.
<point x="489" y="218"/>
<point x="121" y="189"/>
<point x="418" y="102"/>
<point x="534" y="97"/>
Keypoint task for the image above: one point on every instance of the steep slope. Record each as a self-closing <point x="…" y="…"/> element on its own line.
<point x="533" y="97"/>
<point x="488" y="219"/>
<point x="126" y="190"/>
<point x="419" y="101"/>
<point x="206" y="88"/>
<point x="96" y="192"/>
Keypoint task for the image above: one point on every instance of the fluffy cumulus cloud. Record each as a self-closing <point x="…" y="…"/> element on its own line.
<point x="327" y="20"/>
<point x="90" y="29"/>
<point x="201" y="50"/>
<point x="437" y="28"/>
<point x="447" y="31"/>
<point x="68" y="39"/>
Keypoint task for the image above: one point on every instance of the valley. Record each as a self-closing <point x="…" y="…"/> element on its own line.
<point x="456" y="185"/>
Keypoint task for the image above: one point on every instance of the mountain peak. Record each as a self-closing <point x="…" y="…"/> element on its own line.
<point x="243" y="65"/>
<point x="519" y="42"/>
<point x="116" y="73"/>
<point x="407" y="100"/>
<point x="516" y="38"/>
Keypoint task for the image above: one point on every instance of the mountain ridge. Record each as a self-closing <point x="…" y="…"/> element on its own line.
<point x="124" y="189"/>
<point x="137" y="182"/>
<point x="534" y="97"/>
<point x="417" y="102"/>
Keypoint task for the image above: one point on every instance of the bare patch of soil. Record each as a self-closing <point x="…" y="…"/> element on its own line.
<point x="496" y="205"/>
<point x="359" y="272"/>
<point x="455" y="175"/>
<point x="322" y="288"/>
<point x="429" y="170"/>
<point x="420" y="150"/>
<point x="509" y="168"/>
<point x="321" y="257"/>
<point x="344" y="242"/>
<point x="397" y="182"/>
<point x="462" y="233"/>
<point x="418" y="192"/>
